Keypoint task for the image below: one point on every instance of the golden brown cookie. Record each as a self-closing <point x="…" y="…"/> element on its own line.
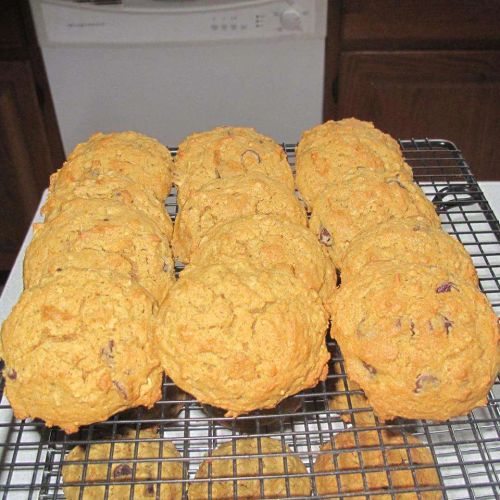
<point x="271" y="243"/>
<point x="362" y="200"/>
<point x="407" y="241"/>
<point x="242" y="338"/>
<point x="131" y="459"/>
<point x="226" y="199"/>
<point x="224" y="152"/>
<point x="102" y="234"/>
<point x="421" y="343"/>
<point x="377" y="457"/>
<point x="248" y="458"/>
<point x="109" y="186"/>
<point x="131" y="154"/>
<point x="77" y="349"/>
<point x="330" y="150"/>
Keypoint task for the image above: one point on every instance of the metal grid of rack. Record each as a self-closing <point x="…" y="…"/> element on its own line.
<point x="465" y="450"/>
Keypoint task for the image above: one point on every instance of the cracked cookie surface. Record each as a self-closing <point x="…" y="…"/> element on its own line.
<point x="109" y="186"/>
<point x="102" y="234"/>
<point x="408" y="241"/>
<point x="330" y="150"/>
<point x="271" y="243"/>
<point x="224" y="152"/>
<point x="143" y="159"/>
<point x="68" y="345"/>
<point x="242" y="338"/>
<point x="248" y="458"/>
<point x="393" y="456"/>
<point x="362" y="200"/>
<point x="421" y="343"/>
<point x="142" y="467"/>
<point x="226" y="199"/>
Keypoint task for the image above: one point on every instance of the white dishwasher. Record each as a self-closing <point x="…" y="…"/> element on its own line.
<point x="168" y="68"/>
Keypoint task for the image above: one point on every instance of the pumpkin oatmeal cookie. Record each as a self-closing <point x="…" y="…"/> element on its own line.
<point x="362" y="200"/>
<point x="271" y="243"/>
<point x="224" y="152"/>
<point x="249" y="458"/>
<point x="373" y="458"/>
<point x="242" y="338"/>
<point x="102" y="234"/>
<point x="226" y="199"/>
<point x="109" y="186"/>
<point x="408" y="241"/>
<point x="100" y="459"/>
<point x="421" y="343"/>
<point x="330" y="150"/>
<point x="131" y="154"/>
<point x="68" y="347"/>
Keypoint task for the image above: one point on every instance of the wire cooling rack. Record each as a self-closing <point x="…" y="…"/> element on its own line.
<point x="465" y="450"/>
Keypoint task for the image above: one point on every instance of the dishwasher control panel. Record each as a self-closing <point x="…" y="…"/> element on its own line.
<point x="161" y="21"/>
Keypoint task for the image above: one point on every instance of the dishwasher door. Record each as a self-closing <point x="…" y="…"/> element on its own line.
<point x="168" y="69"/>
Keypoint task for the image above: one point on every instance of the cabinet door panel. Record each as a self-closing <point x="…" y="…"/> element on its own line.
<point x="451" y="95"/>
<point x="24" y="158"/>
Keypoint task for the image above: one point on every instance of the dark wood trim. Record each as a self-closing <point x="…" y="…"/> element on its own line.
<point x="332" y="56"/>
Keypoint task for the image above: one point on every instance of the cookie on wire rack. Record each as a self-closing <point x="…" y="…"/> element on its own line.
<point x="224" y="152"/>
<point x="226" y="199"/>
<point x="408" y="241"/>
<point x="141" y="459"/>
<point x="364" y="199"/>
<point x="131" y="154"/>
<point x="109" y="186"/>
<point x="242" y="338"/>
<point x="253" y="457"/>
<point x="421" y="343"/>
<point x="272" y="243"/>
<point x="378" y="462"/>
<point x="328" y="151"/>
<point x="102" y="234"/>
<point x="78" y="349"/>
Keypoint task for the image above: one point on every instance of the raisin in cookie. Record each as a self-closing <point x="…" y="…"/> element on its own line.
<point x="77" y="349"/>
<point x="362" y="200"/>
<point x="421" y="343"/>
<point x="109" y="186"/>
<point x="253" y="457"/>
<point x="102" y="234"/>
<point x="134" y="457"/>
<point x="134" y="155"/>
<point x="408" y="241"/>
<point x="373" y="458"/>
<point x="328" y="151"/>
<point x="242" y="338"/>
<point x="271" y="243"/>
<point x="226" y="199"/>
<point x="224" y="152"/>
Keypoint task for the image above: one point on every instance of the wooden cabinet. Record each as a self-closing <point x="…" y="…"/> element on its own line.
<point x="426" y="70"/>
<point x="30" y="146"/>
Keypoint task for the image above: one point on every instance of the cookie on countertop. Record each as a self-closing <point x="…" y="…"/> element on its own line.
<point x="141" y="449"/>
<point x="224" y="152"/>
<point x="226" y="199"/>
<point x="272" y="243"/>
<point x="362" y="200"/>
<point x="408" y="241"/>
<point x="421" y="343"/>
<point x="332" y="149"/>
<point x="131" y="154"/>
<point x="248" y="458"/>
<point x="68" y="347"/>
<point x="391" y="455"/>
<point x="102" y="234"/>
<point x="242" y="338"/>
<point x="113" y="187"/>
